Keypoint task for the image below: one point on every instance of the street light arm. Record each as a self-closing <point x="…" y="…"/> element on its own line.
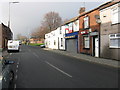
<point x="13" y="2"/>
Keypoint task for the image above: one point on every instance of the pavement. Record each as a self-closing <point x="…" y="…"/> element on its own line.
<point x="102" y="61"/>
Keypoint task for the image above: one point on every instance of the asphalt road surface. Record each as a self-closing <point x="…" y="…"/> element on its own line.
<point x="37" y="68"/>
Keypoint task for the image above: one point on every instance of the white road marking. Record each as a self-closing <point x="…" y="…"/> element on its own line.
<point x="16" y="77"/>
<point x="18" y="63"/>
<point x="58" y="69"/>
<point x="15" y="86"/>
<point x="36" y="55"/>
<point x="16" y="70"/>
<point x="17" y="66"/>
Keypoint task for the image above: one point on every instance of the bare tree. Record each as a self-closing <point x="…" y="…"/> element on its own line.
<point x="21" y="37"/>
<point x="65" y="20"/>
<point x="50" y="22"/>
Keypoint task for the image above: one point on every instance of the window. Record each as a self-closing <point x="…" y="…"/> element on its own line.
<point x="54" y="42"/>
<point x="49" y="42"/>
<point x="86" y="22"/>
<point x="115" y="15"/>
<point x="114" y="40"/>
<point x="60" y="30"/>
<point x="61" y="42"/>
<point x="86" y="42"/>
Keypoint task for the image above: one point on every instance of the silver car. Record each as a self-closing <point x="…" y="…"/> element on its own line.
<point x="7" y="73"/>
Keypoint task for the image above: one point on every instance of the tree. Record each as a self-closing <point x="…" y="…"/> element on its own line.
<point x="21" y="37"/>
<point x="50" y="22"/>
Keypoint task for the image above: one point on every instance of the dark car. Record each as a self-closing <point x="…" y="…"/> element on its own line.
<point x="7" y="73"/>
<point x="42" y="46"/>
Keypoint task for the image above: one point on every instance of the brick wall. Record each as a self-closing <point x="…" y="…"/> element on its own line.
<point x="93" y="26"/>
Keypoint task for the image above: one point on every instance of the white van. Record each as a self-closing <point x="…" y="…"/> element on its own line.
<point x="13" y="45"/>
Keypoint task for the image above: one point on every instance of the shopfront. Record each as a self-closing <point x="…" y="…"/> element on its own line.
<point x="89" y="43"/>
<point x="72" y="42"/>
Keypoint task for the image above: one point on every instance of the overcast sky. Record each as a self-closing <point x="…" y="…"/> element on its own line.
<point x="26" y="16"/>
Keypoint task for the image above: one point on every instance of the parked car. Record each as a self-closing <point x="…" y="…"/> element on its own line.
<point x="7" y="73"/>
<point x="42" y="46"/>
<point x="20" y="42"/>
<point x="13" y="45"/>
<point x="0" y="75"/>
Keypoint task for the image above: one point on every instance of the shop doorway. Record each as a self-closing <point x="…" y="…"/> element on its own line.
<point x="96" y="46"/>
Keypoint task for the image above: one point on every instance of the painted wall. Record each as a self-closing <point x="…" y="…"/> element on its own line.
<point x="51" y="39"/>
<point x="0" y="36"/>
<point x="62" y="38"/>
<point x="108" y="28"/>
<point x="93" y="26"/>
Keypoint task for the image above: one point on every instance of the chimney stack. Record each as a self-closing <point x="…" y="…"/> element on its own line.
<point x="82" y="10"/>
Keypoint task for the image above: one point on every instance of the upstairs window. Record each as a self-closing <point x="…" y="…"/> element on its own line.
<point x="86" y="22"/>
<point x="60" y="30"/>
<point x="61" y="42"/>
<point x="115" y="15"/>
<point x="54" y="42"/>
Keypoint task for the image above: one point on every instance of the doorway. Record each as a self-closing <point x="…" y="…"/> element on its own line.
<point x="96" y="47"/>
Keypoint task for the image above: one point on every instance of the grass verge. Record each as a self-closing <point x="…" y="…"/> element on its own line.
<point x="36" y="44"/>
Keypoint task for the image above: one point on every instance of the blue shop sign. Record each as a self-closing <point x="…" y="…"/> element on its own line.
<point x="71" y="35"/>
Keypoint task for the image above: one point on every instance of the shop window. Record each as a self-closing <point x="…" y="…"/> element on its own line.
<point x="114" y="40"/>
<point x="86" y="22"/>
<point x="86" y="42"/>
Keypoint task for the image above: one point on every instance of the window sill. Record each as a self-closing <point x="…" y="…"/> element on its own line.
<point x="85" y="28"/>
<point x="114" y="47"/>
<point x="114" y="24"/>
<point x="86" y="48"/>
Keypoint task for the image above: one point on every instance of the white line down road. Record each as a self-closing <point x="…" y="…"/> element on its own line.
<point x="36" y="55"/>
<point x="17" y="66"/>
<point x="58" y="69"/>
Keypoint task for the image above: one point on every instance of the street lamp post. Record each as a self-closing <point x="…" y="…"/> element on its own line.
<point x="9" y="13"/>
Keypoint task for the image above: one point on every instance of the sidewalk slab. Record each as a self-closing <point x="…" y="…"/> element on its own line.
<point x="108" y="62"/>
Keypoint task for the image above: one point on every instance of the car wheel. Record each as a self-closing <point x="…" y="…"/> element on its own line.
<point x="8" y="51"/>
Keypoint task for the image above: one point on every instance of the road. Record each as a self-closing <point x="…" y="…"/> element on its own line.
<point x="37" y="68"/>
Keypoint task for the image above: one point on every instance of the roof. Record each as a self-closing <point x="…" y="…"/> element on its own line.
<point x="107" y="4"/>
<point x="110" y="4"/>
<point x="71" y="20"/>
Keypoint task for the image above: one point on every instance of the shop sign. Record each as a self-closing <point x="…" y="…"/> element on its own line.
<point x="93" y="33"/>
<point x="70" y="27"/>
<point x="66" y="27"/>
<point x="84" y="32"/>
<point x="71" y="35"/>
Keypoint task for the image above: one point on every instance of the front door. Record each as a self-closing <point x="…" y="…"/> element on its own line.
<point x="96" y="47"/>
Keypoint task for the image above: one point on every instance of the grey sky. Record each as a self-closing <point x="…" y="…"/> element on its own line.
<point x="26" y="16"/>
